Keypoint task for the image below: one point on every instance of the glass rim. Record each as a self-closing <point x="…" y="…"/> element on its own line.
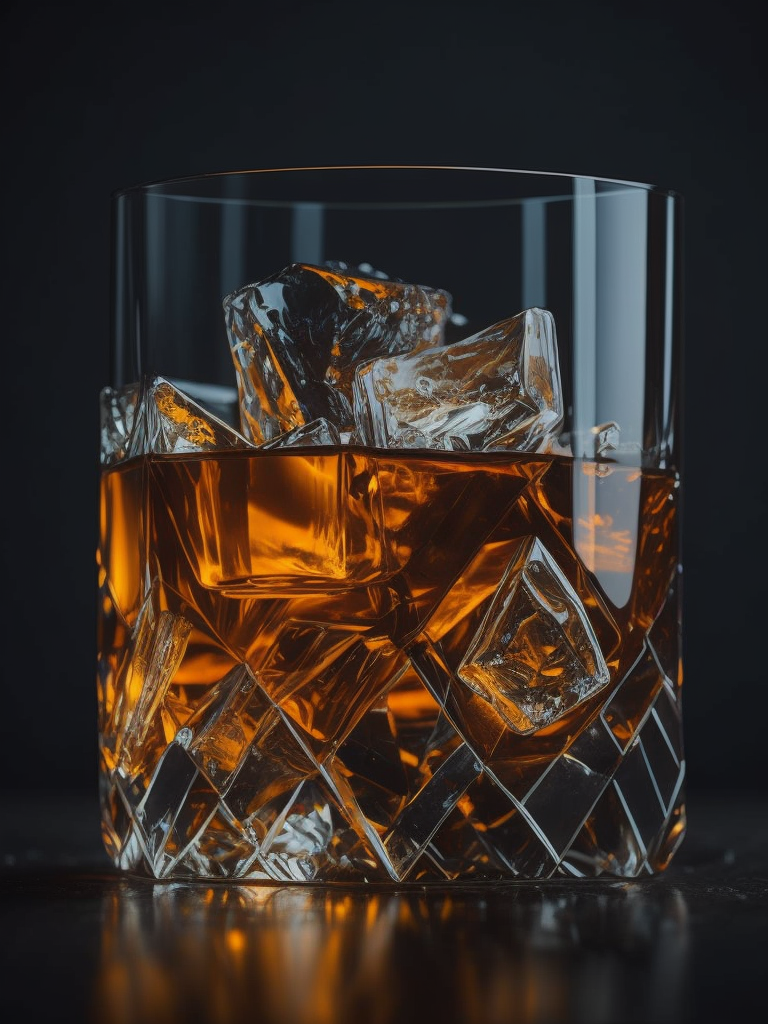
<point x="156" y="187"/>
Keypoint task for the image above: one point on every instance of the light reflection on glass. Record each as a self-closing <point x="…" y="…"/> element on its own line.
<point x="518" y="955"/>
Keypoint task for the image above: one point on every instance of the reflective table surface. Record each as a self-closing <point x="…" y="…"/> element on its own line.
<point x="83" y="943"/>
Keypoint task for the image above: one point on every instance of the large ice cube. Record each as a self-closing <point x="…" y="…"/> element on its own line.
<point x="535" y="655"/>
<point x="499" y="389"/>
<point x="166" y="421"/>
<point x="297" y="336"/>
<point x="277" y="522"/>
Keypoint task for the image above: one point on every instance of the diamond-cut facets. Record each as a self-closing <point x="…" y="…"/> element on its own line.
<point x="321" y="662"/>
<point x="225" y="723"/>
<point x="325" y="677"/>
<point x="489" y="836"/>
<point x="413" y="828"/>
<point x="499" y="389"/>
<point x="296" y="337"/>
<point x="535" y="655"/>
<point x="313" y="837"/>
<point x="178" y="803"/>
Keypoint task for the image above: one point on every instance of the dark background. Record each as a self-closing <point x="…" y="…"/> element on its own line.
<point x="97" y="98"/>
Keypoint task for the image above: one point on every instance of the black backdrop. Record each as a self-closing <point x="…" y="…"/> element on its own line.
<point x="96" y="98"/>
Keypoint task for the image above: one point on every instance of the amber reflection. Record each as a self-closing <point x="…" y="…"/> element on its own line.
<point x="518" y="955"/>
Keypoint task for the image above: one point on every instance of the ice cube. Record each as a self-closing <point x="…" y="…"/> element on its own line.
<point x="318" y="431"/>
<point x="142" y="685"/>
<point x="297" y="336"/>
<point x="220" y="399"/>
<point x="281" y="522"/>
<point x="498" y="389"/>
<point x="535" y="655"/>
<point x="167" y="421"/>
<point x="607" y="437"/>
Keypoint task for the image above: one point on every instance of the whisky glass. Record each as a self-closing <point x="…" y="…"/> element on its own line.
<point x="389" y="545"/>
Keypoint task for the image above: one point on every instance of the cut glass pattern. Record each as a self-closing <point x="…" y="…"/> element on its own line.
<point x="389" y="630"/>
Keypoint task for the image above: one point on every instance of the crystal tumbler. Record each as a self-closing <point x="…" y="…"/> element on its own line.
<point x="389" y="547"/>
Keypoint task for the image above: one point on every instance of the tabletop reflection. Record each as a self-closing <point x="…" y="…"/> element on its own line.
<point x="293" y="955"/>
